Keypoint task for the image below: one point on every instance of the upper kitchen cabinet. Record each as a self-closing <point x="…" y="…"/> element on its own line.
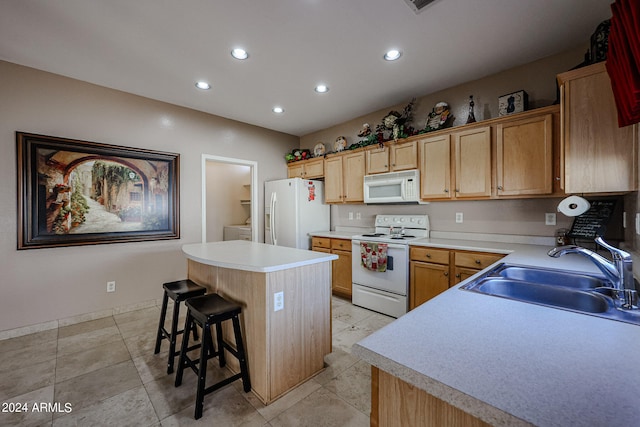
<point x="524" y="161"/>
<point x="598" y="156"/>
<point x="456" y="165"/>
<point x="392" y="157"/>
<point x="307" y="169"/>
<point x="344" y="177"/>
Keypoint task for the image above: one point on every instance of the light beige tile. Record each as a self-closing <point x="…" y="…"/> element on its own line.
<point x="338" y="326"/>
<point x="152" y="366"/>
<point x="33" y="353"/>
<point x="321" y="408"/>
<point x="345" y="339"/>
<point x="282" y="404"/>
<point x="86" y="317"/>
<point x="131" y="408"/>
<point x="336" y="362"/>
<point x="224" y="407"/>
<point x="27" y="378"/>
<point x="375" y="321"/>
<point x="75" y="364"/>
<point x="28" y="330"/>
<point x="350" y="314"/>
<point x="85" y="390"/>
<point x="354" y="386"/>
<point x="88" y="340"/>
<point x="27" y="416"/>
<point x="21" y="342"/>
<point x="135" y="307"/>
<point x="88" y="326"/>
<point x="148" y="313"/>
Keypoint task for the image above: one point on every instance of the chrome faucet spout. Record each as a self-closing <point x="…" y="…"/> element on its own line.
<point x="619" y="271"/>
<point x="606" y="266"/>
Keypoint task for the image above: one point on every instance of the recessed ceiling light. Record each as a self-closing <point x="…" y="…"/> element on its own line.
<point x="278" y="110"/>
<point x="239" y="53"/>
<point x="203" y="85"/>
<point x="392" y="55"/>
<point x="322" y="88"/>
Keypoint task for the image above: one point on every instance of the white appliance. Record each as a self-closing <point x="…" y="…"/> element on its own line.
<point x="392" y="187"/>
<point x="387" y="292"/>
<point x="293" y="209"/>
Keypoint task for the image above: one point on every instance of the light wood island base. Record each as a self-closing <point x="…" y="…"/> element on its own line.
<point x="286" y="347"/>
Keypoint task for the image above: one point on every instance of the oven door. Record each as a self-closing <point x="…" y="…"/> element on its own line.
<point x="394" y="280"/>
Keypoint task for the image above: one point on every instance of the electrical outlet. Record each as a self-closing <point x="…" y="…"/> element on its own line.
<point x="459" y="217"/>
<point x="111" y="286"/>
<point x="358" y="216"/>
<point x="278" y="301"/>
<point x="350" y="216"/>
<point x="550" y="219"/>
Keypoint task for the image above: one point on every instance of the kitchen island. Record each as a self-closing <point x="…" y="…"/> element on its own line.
<point x="464" y="358"/>
<point x="285" y="295"/>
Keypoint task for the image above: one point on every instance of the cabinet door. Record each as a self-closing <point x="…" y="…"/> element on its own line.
<point x="435" y="167"/>
<point x="462" y="273"/>
<point x="314" y="169"/>
<point x="377" y="160"/>
<point x="599" y="156"/>
<point x="333" y="180"/>
<point x="524" y="163"/>
<point x="353" y="177"/>
<point x="473" y="163"/>
<point x="426" y="281"/>
<point x="341" y="273"/>
<point x="404" y="156"/>
<point x="295" y="170"/>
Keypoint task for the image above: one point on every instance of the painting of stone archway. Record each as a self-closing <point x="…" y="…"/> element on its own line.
<point x="74" y="192"/>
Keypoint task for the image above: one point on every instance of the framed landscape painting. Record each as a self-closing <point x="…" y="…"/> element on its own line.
<point x="84" y="193"/>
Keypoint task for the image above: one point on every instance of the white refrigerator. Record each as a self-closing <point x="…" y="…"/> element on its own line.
<point x="294" y="208"/>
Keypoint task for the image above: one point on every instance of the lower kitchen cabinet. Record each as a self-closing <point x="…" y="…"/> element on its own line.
<point x="428" y="274"/>
<point x="341" y="267"/>
<point x="433" y="271"/>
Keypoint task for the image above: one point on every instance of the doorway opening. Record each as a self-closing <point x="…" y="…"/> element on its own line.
<point x="229" y="198"/>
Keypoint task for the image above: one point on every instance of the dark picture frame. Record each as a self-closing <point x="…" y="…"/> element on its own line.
<point x="73" y="192"/>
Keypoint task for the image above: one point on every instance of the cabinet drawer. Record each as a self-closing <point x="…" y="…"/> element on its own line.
<point x="436" y="256"/>
<point x="475" y="260"/>
<point x="321" y="242"/>
<point x="345" y="245"/>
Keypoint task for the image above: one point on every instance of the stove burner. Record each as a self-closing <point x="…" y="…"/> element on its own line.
<point x="374" y="235"/>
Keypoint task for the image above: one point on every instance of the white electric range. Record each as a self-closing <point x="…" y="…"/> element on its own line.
<point x="387" y="291"/>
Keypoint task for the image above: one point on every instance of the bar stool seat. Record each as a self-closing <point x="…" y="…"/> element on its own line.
<point x="178" y="291"/>
<point x="207" y="311"/>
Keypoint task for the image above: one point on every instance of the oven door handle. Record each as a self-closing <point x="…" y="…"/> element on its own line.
<point x="389" y="245"/>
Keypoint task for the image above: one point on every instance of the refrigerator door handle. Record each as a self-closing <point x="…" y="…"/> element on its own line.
<point x="273" y="219"/>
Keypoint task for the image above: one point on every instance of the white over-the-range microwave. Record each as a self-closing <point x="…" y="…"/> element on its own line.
<point x="392" y="187"/>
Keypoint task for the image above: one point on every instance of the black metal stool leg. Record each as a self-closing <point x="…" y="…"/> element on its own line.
<point x="242" y="358"/>
<point x="202" y="369"/>
<point x="221" y="358"/>
<point x="174" y="336"/>
<point x="163" y="313"/>
<point x="183" y="350"/>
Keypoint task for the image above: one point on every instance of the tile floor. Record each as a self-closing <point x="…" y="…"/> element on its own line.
<point x="104" y="372"/>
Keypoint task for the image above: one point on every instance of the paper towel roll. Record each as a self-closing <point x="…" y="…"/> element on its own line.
<point x="573" y="206"/>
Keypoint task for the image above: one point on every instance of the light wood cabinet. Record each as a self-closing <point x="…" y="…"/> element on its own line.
<point x="344" y="176"/>
<point x="428" y="274"/>
<point x="598" y="156"/>
<point x="472" y="154"/>
<point x="307" y="169"/>
<point x="394" y="157"/>
<point x="524" y="161"/>
<point x="466" y="264"/>
<point x="341" y="267"/>
<point x="456" y="165"/>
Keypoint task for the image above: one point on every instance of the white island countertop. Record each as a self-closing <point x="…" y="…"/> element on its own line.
<point x="252" y="256"/>
<point x="513" y="363"/>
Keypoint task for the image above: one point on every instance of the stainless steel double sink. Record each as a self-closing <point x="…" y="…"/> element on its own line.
<point x="582" y="293"/>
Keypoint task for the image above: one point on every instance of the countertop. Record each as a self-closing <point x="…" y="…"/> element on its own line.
<point x="252" y="256"/>
<point x="513" y="363"/>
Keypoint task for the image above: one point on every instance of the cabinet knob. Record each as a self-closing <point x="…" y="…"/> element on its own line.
<point x="428" y="255"/>
<point x="557" y="178"/>
<point x="478" y="261"/>
<point x="393" y="164"/>
<point x="500" y="187"/>
<point x="446" y="190"/>
<point x="457" y="190"/>
<point x="457" y="276"/>
<point x="446" y="273"/>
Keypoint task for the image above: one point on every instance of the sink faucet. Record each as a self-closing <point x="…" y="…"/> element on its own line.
<point x="619" y="271"/>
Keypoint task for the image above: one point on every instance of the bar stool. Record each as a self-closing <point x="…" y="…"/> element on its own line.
<point x="206" y="311"/>
<point x="178" y="291"/>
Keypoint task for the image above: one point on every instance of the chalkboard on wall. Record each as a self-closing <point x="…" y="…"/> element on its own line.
<point x="593" y="222"/>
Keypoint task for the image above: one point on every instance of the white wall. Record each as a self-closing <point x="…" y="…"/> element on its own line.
<point x="41" y="285"/>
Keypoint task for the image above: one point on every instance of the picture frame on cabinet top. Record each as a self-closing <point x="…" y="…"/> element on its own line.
<point x="515" y="102"/>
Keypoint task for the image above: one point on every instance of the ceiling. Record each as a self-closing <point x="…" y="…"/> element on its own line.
<point x="160" y="48"/>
